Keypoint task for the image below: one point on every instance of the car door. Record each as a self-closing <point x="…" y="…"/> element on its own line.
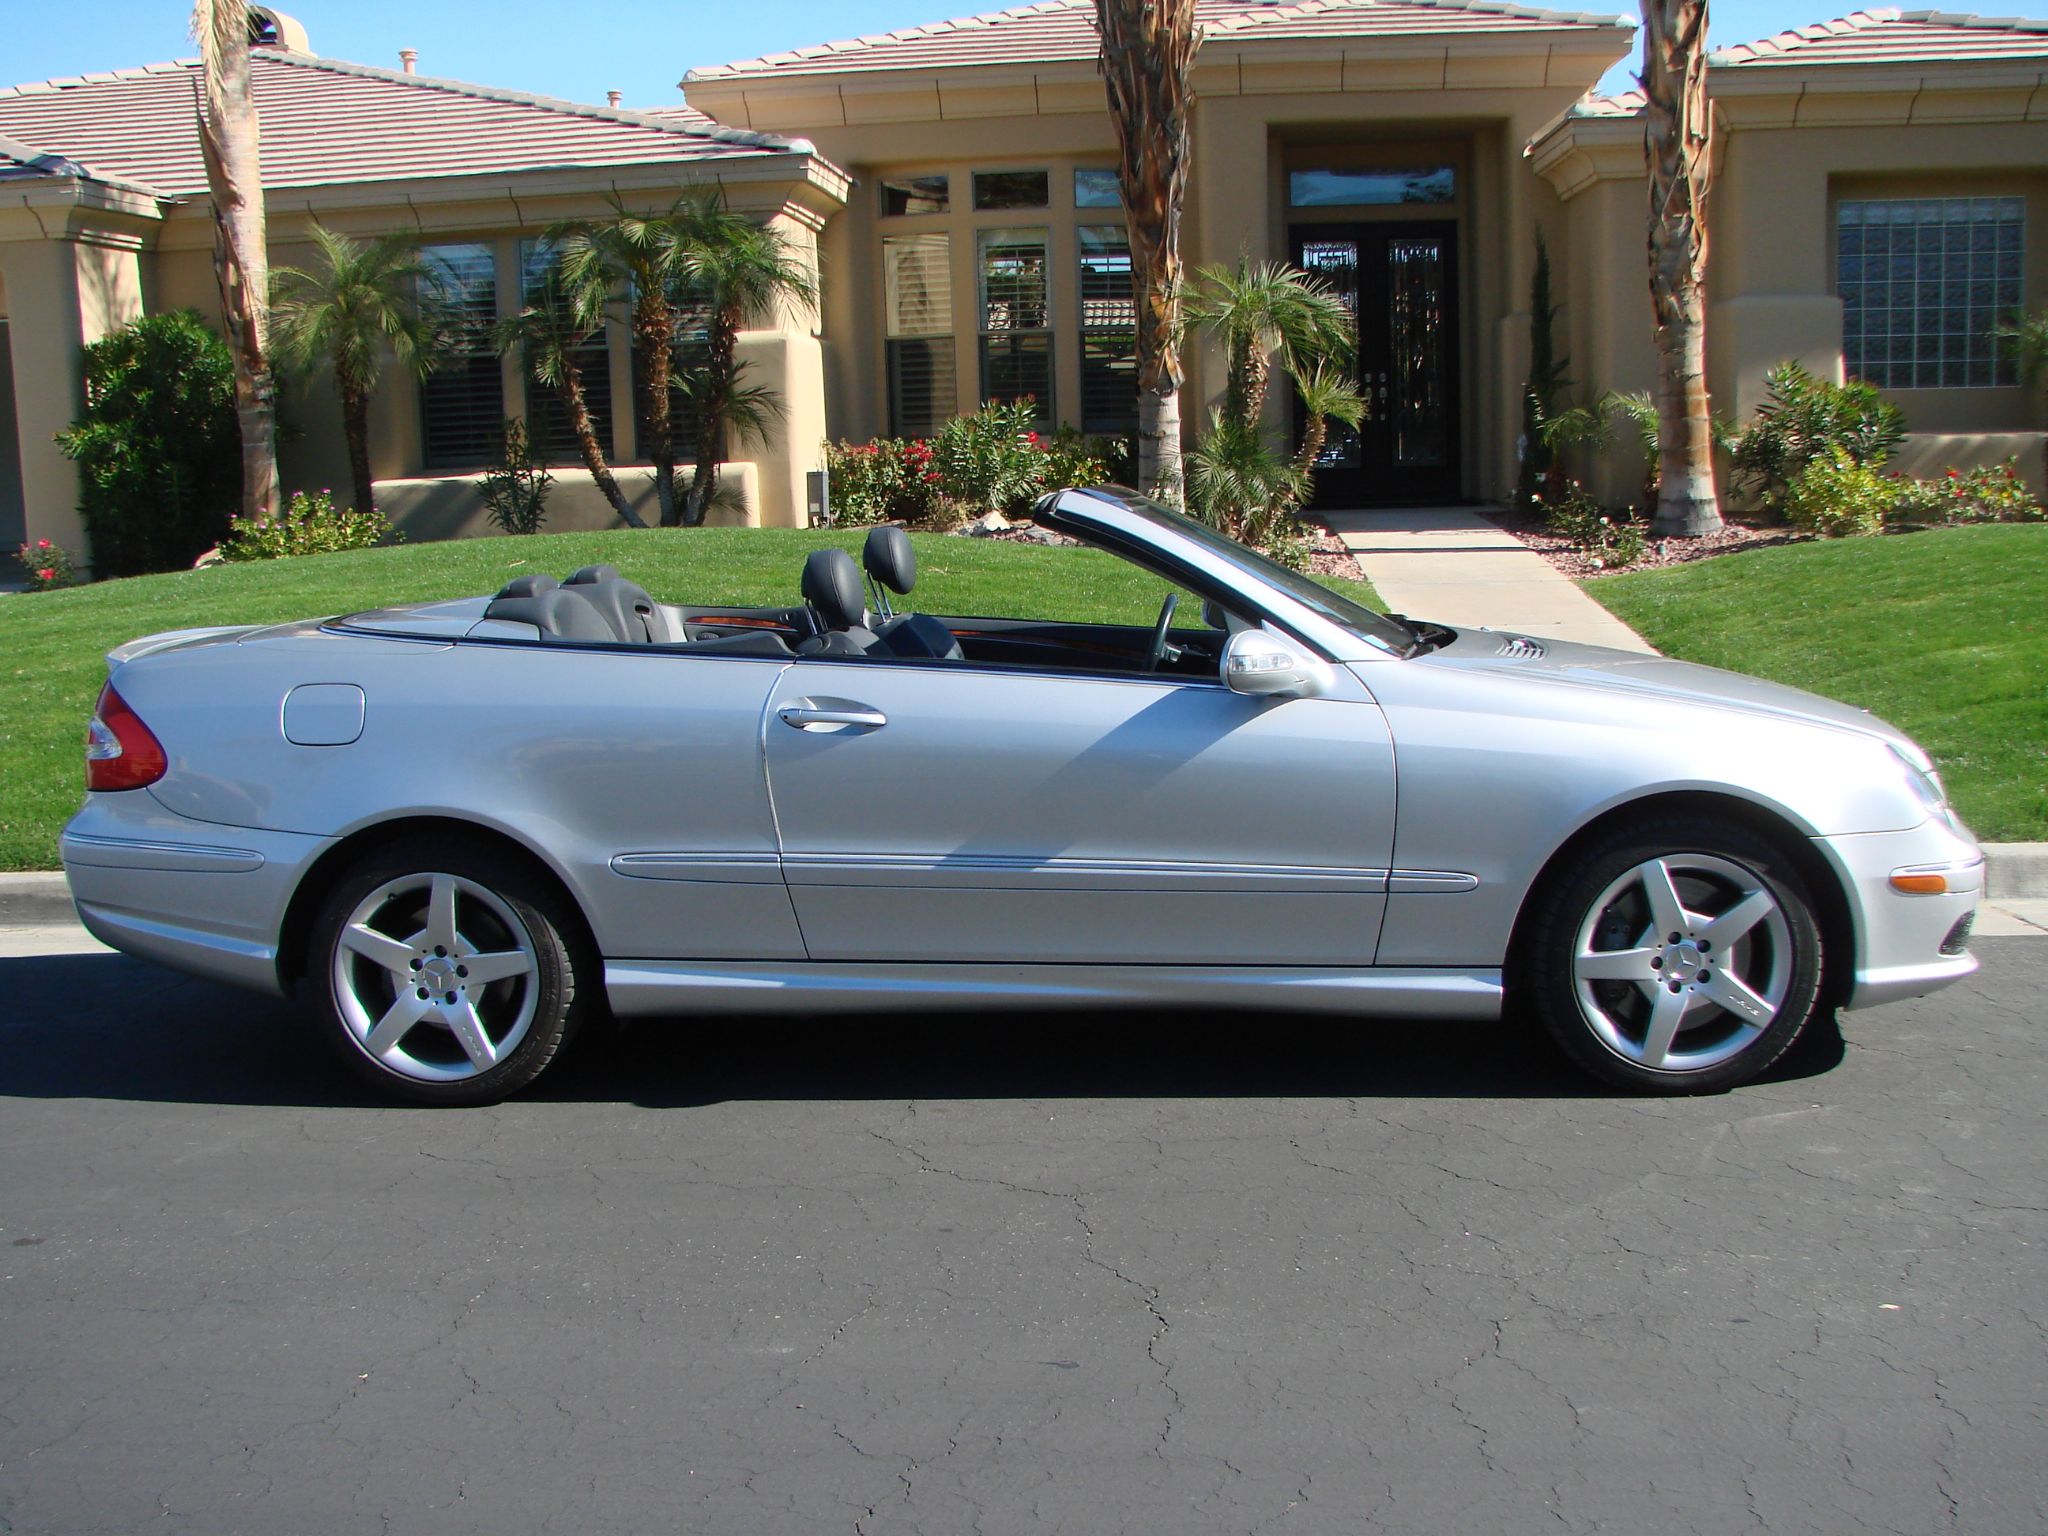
<point x="947" y="812"/>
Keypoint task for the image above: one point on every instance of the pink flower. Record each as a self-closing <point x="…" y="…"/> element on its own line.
<point x="46" y="574"/>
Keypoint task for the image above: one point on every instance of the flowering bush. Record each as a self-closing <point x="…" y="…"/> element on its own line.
<point x="1837" y="497"/>
<point x="889" y="478"/>
<point x="310" y="524"/>
<point x="1991" y="493"/>
<point x="1611" y="541"/>
<point x="49" y="566"/>
<point x="992" y="461"/>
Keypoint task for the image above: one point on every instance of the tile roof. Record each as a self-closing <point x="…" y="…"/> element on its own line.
<point x="1894" y="37"/>
<point x="327" y="122"/>
<point x="1055" y="31"/>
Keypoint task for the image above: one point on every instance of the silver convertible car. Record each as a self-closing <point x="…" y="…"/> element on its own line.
<point x="463" y="829"/>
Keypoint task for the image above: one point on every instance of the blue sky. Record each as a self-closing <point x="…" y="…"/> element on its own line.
<point x="635" y="46"/>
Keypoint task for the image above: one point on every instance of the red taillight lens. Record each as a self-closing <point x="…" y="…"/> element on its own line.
<point x="120" y="751"/>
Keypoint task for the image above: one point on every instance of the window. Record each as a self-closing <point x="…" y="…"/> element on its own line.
<point x="1923" y="282"/>
<point x="917" y="289"/>
<point x="547" y="416"/>
<point x="462" y="402"/>
<point x="1016" y="319"/>
<point x="1109" y="334"/>
<point x="1097" y="189"/>
<point x="916" y="194"/>
<point x="1012" y="189"/>
<point x="1371" y="189"/>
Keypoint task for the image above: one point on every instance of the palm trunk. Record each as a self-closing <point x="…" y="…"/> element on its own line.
<point x="355" y="431"/>
<point x="1314" y="433"/>
<point x="230" y="144"/>
<point x="1678" y="148"/>
<point x="578" y="406"/>
<point x="1258" y="379"/>
<point x="718" y="368"/>
<point x="653" y="334"/>
<point x="1148" y="49"/>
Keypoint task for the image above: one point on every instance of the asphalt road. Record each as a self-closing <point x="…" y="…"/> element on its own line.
<point x="1167" y="1274"/>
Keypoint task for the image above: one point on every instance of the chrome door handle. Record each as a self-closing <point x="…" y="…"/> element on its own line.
<point x="806" y="717"/>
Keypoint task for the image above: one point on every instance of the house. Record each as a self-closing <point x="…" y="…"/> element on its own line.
<point x="1881" y="203"/>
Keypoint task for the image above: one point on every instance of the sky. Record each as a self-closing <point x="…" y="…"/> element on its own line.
<point x="640" y="47"/>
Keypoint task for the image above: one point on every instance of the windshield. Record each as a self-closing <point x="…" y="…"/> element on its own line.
<point x="1306" y="590"/>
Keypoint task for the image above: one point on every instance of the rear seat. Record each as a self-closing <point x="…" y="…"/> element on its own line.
<point x="598" y="604"/>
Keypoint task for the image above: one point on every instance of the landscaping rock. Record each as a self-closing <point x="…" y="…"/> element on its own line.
<point x="986" y="524"/>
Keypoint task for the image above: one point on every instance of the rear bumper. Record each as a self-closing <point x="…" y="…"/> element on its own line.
<point x="192" y="895"/>
<point x="1900" y="937"/>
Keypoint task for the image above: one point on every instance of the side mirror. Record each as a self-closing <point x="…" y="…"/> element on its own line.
<point x="1261" y="661"/>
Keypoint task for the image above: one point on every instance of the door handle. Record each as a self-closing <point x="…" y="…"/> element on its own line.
<point x="806" y="716"/>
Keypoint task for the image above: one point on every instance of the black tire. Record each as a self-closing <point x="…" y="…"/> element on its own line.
<point x="1721" y="1018"/>
<point x="496" y="1033"/>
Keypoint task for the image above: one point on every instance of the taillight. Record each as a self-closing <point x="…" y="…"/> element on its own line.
<point x="120" y="751"/>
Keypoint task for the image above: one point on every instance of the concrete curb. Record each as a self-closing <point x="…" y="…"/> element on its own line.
<point x="2013" y="872"/>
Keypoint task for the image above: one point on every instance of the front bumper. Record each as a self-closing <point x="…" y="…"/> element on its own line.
<point x="192" y="895"/>
<point x="1900" y="937"/>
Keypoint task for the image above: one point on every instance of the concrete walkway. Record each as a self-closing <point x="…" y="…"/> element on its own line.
<point x="1452" y="565"/>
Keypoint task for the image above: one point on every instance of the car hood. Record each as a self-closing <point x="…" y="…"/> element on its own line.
<point x="1564" y="663"/>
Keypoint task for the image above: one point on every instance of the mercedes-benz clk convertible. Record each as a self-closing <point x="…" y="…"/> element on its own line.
<point x="461" y="830"/>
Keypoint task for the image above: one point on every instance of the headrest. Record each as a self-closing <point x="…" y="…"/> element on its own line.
<point x="592" y="573"/>
<point x="889" y="558"/>
<point x="532" y="584"/>
<point x="831" y="584"/>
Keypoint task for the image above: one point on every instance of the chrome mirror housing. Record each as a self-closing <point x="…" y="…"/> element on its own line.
<point x="1262" y="661"/>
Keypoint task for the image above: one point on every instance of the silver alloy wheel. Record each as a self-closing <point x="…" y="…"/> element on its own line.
<point x="435" y="977"/>
<point x="1683" y="962"/>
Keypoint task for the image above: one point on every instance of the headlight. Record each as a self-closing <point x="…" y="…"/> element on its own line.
<point x="1924" y="780"/>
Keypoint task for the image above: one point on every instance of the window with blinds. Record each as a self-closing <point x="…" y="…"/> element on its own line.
<point x="917" y="293"/>
<point x="547" y="416"/>
<point x="1016" y="320"/>
<point x="1109" y="333"/>
<point x="462" y="402"/>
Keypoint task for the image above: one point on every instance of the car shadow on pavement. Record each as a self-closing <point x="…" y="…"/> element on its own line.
<point x="106" y="1026"/>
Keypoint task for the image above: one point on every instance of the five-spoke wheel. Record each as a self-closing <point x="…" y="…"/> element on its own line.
<point x="1679" y="954"/>
<point x="448" y="976"/>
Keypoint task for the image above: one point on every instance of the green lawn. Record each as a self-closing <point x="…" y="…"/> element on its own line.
<point x="54" y="644"/>
<point x="1943" y="633"/>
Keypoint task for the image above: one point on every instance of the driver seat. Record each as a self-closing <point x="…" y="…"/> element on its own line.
<point x="831" y="585"/>
<point x="892" y="566"/>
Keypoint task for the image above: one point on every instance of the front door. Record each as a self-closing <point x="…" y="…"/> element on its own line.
<point x="1401" y="282"/>
<point x="935" y="812"/>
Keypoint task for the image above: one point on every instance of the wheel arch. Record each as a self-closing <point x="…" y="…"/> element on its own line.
<point x="1823" y="881"/>
<point x="320" y="876"/>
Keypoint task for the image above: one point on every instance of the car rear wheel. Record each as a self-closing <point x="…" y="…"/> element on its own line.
<point x="1677" y="955"/>
<point x="446" y="976"/>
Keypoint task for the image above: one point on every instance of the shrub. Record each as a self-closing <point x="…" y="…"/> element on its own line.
<point x="1241" y="486"/>
<point x="886" y="479"/>
<point x="1068" y="458"/>
<point x="1836" y="496"/>
<point x="515" y="486"/>
<point x="1612" y="541"/>
<point x="310" y="524"/>
<point x="48" y="566"/>
<point x="1804" y="419"/>
<point x="158" y="449"/>
<point x="1991" y="493"/>
<point x="991" y="460"/>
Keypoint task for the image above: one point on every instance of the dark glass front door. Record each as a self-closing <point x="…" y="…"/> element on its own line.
<point x="1401" y="282"/>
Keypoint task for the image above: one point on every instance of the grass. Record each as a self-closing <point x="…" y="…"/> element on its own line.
<point x="54" y="644"/>
<point x="1943" y="633"/>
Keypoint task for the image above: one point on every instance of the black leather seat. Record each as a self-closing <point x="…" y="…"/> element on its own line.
<point x="892" y="563"/>
<point x="559" y="613"/>
<point x="634" y="616"/>
<point x="831" y="585"/>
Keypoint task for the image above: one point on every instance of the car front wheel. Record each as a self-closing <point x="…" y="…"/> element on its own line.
<point x="448" y="976"/>
<point x="1677" y="955"/>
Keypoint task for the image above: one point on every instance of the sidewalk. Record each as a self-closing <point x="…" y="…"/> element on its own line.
<point x="1451" y="565"/>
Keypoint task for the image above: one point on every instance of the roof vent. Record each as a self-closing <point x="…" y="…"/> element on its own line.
<point x="613" y="98"/>
<point x="274" y="29"/>
<point x="408" y="60"/>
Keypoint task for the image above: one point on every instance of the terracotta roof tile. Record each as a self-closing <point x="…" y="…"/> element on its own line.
<point x="1055" y="31"/>
<point x="325" y="122"/>
<point x="1893" y="37"/>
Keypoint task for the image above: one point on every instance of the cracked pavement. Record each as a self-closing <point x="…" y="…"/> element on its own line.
<point x="1033" y="1273"/>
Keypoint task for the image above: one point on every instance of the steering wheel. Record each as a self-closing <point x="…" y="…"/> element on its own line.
<point x="1160" y="650"/>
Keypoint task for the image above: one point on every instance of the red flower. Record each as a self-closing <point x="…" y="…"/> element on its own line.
<point x="46" y="575"/>
<point x="1953" y="475"/>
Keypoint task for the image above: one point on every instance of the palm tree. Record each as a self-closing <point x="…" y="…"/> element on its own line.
<point x="229" y="142"/>
<point x="741" y="272"/>
<point x="639" y="256"/>
<point x="1267" y="310"/>
<point x="1328" y="393"/>
<point x="364" y="299"/>
<point x="1678" y="147"/>
<point x="550" y="332"/>
<point x="1147" y="57"/>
